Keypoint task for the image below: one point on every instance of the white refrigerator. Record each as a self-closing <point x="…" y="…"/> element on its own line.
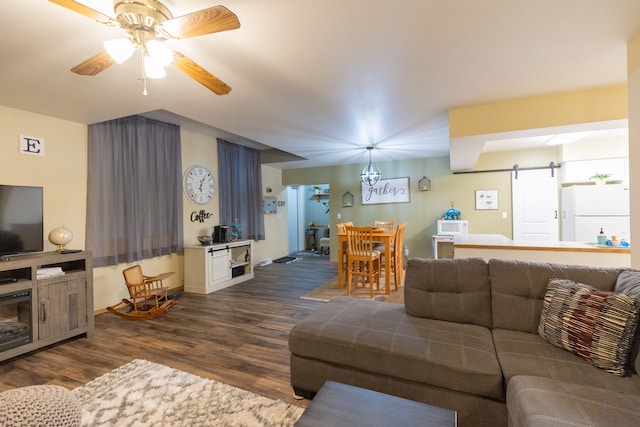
<point x="588" y="208"/>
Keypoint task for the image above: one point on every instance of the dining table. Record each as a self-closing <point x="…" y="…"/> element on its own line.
<point x="381" y="235"/>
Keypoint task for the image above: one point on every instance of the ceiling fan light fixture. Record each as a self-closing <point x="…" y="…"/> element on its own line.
<point x="371" y="174"/>
<point x="120" y="49"/>
<point x="153" y="69"/>
<point x="159" y="52"/>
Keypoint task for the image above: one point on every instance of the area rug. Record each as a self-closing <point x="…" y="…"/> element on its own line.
<point x="311" y="253"/>
<point x="330" y="290"/>
<point x="142" y="393"/>
<point x="286" y="260"/>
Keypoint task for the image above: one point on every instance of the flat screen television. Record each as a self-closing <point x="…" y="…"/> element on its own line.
<point x="21" y="219"/>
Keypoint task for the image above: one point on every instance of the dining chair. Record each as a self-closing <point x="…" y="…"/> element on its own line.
<point x="379" y="246"/>
<point x="397" y="255"/>
<point x="363" y="261"/>
<point x="387" y="225"/>
<point x="342" y="229"/>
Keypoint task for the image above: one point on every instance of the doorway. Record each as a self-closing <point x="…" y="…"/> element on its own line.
<point x="534" y="196"/>
<point x="293" y="212"/>
<point x="308" y="204"/>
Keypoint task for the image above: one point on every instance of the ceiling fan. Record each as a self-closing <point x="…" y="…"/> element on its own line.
<point x="148" y="23"/>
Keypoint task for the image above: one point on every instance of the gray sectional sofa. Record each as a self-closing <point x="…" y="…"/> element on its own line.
<point x="467" y="339"/>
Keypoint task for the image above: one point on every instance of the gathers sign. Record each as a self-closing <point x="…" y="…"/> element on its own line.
<point x="394" y="190"/>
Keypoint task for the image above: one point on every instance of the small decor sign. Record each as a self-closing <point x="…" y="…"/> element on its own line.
<point x="200" y="216"/>
<point x="269" y="205"/>
<point x="486" y="199"/>
<point x="31" y="145"/>
<point x="394" y="190"/>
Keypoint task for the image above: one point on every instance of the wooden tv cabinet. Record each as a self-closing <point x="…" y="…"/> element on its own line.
<point x="61" y="305"/>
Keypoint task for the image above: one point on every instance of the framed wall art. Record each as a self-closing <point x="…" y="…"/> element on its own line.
<point x="393" y="190"/>
<point x="486" y="199"/>
<point x="269" y="205"/>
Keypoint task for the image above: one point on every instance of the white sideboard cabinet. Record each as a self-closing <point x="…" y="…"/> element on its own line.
<point x="211" y="268"/>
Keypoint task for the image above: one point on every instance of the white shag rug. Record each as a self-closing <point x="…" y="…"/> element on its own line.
<point x="142" y="393"/>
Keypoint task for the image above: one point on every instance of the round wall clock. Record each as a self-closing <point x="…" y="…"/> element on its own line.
<point x="199" y="185"/>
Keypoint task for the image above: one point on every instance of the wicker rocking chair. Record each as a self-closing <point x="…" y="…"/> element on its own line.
<point x="148" y="298"/>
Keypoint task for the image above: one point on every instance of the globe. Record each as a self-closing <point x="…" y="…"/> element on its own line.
<point x="60" y="236"/>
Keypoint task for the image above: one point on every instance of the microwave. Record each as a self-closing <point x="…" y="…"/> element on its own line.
<point x="452" y="227"/>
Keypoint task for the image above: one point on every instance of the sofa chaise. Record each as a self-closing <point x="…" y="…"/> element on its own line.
<point x="468" y="338"/>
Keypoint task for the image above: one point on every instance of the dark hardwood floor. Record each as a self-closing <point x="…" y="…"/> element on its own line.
<point x="237" y="336"/>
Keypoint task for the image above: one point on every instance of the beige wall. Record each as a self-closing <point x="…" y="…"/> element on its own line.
<point x="199" y="149"/>
<point x="543" y="111"/>
<point x="63" y="174"/>
<point x="633" y="77"/>
<point x="275" y="225"/>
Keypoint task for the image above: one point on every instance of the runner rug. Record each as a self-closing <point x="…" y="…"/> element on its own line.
<point x="142" y="393"/>
<point x="330" y="289"/>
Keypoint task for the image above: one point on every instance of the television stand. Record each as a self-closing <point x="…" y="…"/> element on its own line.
<point x="56" y="308"/>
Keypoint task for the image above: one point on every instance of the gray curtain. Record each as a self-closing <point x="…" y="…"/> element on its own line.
<point x="134" y="200"/>
<point x="240" y="188"/>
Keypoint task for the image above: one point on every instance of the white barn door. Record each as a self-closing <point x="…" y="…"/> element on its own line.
<point x="534" y="196"/>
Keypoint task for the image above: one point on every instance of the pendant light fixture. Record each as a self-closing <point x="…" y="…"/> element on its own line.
<point x="371" y="174"/>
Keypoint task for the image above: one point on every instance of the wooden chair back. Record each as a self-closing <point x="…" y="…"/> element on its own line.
<point x="387" y="225"/>
<point x="363" y="261"/>
<point x="134" y="279"/>
<point x="342" y="227"/>
<point x="360" y="241"/>
<point x="149" y="298"/>
<point x="398" y="254"/>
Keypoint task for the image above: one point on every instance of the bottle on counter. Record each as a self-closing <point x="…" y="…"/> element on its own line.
<point x="602" y="239"/>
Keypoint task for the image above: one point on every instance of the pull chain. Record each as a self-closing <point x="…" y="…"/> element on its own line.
<point x="144" y="76"/>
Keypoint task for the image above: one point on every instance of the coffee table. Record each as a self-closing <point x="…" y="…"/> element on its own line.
<point x="338" y="404"/>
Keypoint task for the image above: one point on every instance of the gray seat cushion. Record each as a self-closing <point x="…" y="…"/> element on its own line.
<point x="522" y="353"/>
<point x="380" y="337"/>
<point x="545" y="402"/>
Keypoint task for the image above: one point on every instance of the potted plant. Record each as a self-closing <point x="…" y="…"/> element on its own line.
<point x="600" y="178"/>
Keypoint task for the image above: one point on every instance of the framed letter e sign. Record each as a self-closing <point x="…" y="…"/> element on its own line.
<point x="31" y="145"/>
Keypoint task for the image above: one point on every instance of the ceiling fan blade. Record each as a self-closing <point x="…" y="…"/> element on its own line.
<point x="94" y="65"/>
<point x="205" y="21"/>
<point x="200" y="75"/>
<point x="74" y="6"/>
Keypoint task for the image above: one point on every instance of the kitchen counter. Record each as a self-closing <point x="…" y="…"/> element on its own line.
<point x="498" y="246"/>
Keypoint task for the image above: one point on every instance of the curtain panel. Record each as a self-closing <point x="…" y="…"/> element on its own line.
<point x="134" y="200"/>
<point x="240" y="188"/>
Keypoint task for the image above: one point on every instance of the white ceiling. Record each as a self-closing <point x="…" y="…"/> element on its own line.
<point x="325" y="79"/>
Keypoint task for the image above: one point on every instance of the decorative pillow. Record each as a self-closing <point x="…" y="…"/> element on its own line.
<point x="628" y="283"/>
<point x="596" y="325"/>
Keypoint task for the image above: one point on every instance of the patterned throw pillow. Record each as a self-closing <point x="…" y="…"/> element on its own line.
<point x="596" y="325"/>
<point x="628" y="283"/>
